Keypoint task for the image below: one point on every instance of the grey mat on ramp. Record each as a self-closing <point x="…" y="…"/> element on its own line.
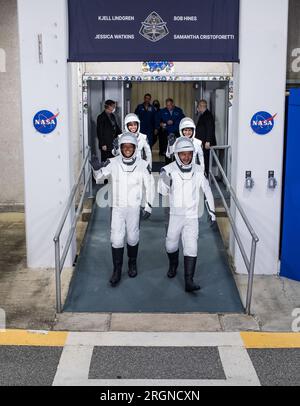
<point x="151" y="291"/>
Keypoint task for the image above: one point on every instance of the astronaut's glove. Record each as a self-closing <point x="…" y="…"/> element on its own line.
<point x="146" y="212"/>
<point x="213" y="225"/>
<point x="116" y="144"/>
<point x="171" y="139"/>
<point x="95" y="163"/>
<point x="166" y="179"/>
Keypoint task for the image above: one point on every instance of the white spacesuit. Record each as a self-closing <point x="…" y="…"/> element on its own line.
<point x="182" y="181"/>
<point x="129" y="175"/>
<point x="143" y="145"/>
<point x="186" y="123"/>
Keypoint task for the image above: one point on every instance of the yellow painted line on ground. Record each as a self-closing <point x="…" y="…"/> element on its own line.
<point x="271" y="340"/>
<point x="33" y="338"/>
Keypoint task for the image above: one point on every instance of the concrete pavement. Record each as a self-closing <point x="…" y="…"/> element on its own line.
<point x="28" y="297"/>
<point x="148" y="359"/>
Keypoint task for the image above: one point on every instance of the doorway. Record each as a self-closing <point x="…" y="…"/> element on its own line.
<point x="186" y="95"/>
<point x="152" y="291"/>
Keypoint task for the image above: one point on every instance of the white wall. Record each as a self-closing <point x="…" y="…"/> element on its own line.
<point x="11" y="154"/>
<point x="260" y="86"/>
<point x="76" y="131"/>
<point x="47" y="159"/>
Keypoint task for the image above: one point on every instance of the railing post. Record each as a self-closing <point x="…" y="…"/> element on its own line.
<point x="228" y="164"/>
<point x="251" y="277"/>
<point x="57" y="276"/>
<point x="59" y="263"/>
<point x="210" y="165"/>
<point x="91" y="178"/>
<point x="249" y="264"/>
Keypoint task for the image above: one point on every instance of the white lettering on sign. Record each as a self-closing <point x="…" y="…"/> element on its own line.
<point x="45" y="122"/>
<point x="185" y="18"/>
<point x="262" y="123"/>
<point x="115" y="18"/>
<point x="115" y="36"/>
<point x="186" y="36"/>
<point x="203" y="37"/>
<point x="295" y="65"/>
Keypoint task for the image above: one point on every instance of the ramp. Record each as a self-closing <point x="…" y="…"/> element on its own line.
<point x="151" y="291"/>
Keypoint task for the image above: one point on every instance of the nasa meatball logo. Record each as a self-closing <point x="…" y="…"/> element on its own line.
<point x="154" y="28"/>
<point x="45" y="122"/>
<point x="262" y="123"/>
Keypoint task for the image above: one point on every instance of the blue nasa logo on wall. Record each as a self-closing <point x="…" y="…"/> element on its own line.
<point x="45" y="122"/>
<point x="262" y="123"/>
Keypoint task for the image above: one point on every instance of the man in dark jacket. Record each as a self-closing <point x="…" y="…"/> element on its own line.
<point x="205" y="131"/>
<point x="107" y="130"/>
<point x="156" y="132"/>
<point x="170" y="117"/>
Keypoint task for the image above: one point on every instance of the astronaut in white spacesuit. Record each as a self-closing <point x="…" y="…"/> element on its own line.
<point x="129" y="175"/>
<point x="132" y="124"/>
<point x="181" y="181"/>
<point x="187" y="128"/>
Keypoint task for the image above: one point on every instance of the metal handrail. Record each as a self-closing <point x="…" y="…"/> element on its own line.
<point x="60" y="261"/>
<point x="249" y="263"/>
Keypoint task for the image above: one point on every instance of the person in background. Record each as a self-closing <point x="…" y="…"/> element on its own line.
<point x="107" y="130"/>
<point x="146" y="114"/>
<point x="132" y="125"/>
<point x="187" y="128"/>
<point x="205" y="131"/>
<point x="168" y="120"/>
<point x="156" y="133"/>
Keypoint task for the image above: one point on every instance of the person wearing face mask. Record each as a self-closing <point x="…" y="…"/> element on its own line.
<point x="205" y="131"/>
<point x="132" y="125"/>
<point x="107" y="130"/>
<point x="129" y="176"/>
<point x="187" y="129"/>
<point x="181" y="181"/>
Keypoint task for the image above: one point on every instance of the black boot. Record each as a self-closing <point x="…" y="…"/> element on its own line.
<point x="189" y="271"/>
<point x="173" y="264"/>
<point x="117" y="254"/>
<point x="132" y="255"/>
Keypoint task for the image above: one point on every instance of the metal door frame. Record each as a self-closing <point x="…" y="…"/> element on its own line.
<point x="83" y="79"/>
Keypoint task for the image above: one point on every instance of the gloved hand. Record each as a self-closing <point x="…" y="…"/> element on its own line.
<point x="165" y="177"/>
<point x="171" y="139"/>
<point x="116" y="144"/>
<point x="213" y="225"/>
<point x="145" y="214"/>
<point x="95" y="163"/>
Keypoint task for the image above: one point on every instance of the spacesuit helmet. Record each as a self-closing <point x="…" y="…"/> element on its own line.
<point x="187" y="123"/>
<point x="184" y="144"/>
<point x="131" y="118"/>
<point x="128" y="138"/>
